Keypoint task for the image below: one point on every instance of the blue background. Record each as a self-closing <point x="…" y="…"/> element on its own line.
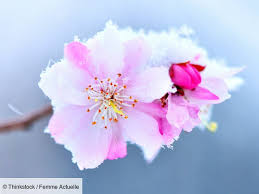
<point x="33" y="32"/>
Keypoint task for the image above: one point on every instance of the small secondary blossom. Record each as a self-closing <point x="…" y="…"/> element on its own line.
<point x="198" y="82"/>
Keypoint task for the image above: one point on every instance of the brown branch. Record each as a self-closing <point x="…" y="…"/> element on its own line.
<point x="25" y="121"/>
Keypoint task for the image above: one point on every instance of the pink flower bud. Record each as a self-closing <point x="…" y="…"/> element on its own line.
<point x="186" y="75"/>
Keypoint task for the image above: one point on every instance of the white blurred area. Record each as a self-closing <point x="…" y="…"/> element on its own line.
<point x="34" y="32"/>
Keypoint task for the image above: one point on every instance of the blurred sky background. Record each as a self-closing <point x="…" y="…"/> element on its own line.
<point x="33" y="32"/>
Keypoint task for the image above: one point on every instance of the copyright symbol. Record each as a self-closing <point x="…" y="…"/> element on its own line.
<point x="4" y="186"/>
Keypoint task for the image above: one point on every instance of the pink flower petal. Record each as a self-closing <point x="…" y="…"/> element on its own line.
<point x="215" y="86"/>
<point x="177" y="113"/>
<point x="142" y="129"/>
<point x="152" y="84"/>
<point x="155" y="109"/>
<point x="202" y="93"/>
<point x="169" y="132"/>
<point x="107" y="53"/>
<point x="72" y="127"/>
<point x="65" y="84"/>
<point x="118" y="147"/>
<point x="77" y="54"/>
<point x="181" y="114"/>
<point x="194" y="119"/>
<point x="137" y="53"/>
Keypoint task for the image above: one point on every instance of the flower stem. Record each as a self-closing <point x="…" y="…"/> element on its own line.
<point x="23" y="122"/>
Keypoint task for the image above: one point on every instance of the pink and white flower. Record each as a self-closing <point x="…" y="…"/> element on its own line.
<point x="96" y="90"/>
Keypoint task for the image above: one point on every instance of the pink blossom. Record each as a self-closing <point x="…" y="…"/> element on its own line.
<point x="179" y="109"/>
<point x="97" y="91"/>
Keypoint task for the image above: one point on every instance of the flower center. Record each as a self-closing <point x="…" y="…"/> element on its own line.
<point x="109" y="99"/>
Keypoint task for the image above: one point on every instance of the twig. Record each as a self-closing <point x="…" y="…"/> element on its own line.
<point x="25" y="121"/>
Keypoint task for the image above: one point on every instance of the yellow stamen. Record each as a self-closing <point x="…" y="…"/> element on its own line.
<point x="212" y="127"/>
<point x="114" y="107"/>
